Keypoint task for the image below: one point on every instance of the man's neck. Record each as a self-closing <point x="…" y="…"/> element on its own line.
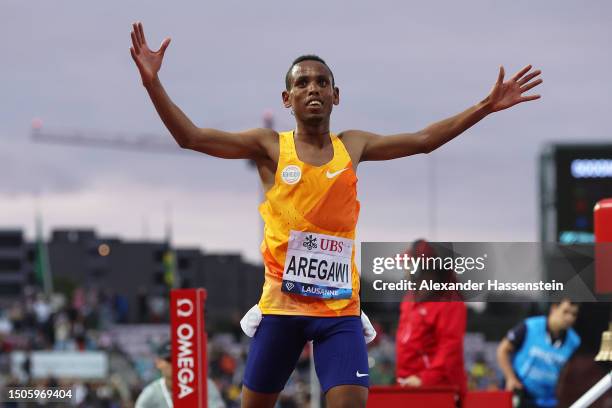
<point x="553" y="330"/>
<point x="168" y="383"/>
<point x="315" y="133"/>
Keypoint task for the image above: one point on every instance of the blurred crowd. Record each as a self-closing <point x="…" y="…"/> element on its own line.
<point x="90" y="319"/>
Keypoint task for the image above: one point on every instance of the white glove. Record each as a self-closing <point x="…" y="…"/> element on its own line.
<point x="368" y="330"/>
<point x="250" y="321"/>
<point x="252" y="318"/>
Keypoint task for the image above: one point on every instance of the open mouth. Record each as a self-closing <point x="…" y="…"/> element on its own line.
<point x="315" y="103"/>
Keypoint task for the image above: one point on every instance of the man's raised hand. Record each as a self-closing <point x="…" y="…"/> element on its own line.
<point x="509" y="93"/>
<point x="148" y="61"/>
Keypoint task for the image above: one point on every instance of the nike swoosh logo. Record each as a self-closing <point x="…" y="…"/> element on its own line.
<point x="358" y="374"/>
<point x="335" y="173"/>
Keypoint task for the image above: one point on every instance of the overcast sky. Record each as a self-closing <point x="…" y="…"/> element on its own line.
<point x="399" y="65"/>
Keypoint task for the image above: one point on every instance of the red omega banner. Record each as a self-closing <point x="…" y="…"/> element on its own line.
<point x="189" y="374"/>
<point x="603" y="253"/>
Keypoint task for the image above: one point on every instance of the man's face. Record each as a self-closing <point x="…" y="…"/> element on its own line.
<point x="311" y="95"/>
<point x="165" y="367"/>
<point x="564" y="314"/>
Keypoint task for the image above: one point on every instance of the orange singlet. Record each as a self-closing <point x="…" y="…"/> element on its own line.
<point x="310" y="215"/>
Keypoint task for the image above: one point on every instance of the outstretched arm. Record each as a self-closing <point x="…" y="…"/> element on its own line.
<point x="502" y="96"/>
<point x="250" y="144"/>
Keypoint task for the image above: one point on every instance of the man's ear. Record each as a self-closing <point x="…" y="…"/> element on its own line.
<point x="336" y="95"/>
<point x="286" y="102"/>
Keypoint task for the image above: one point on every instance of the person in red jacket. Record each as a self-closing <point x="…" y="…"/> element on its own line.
<point x="429" y="340"/>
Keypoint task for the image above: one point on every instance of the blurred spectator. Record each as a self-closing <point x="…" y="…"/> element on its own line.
<point x="89" y="318"/>
<point x="158" y="308"/>
<point x="158" y="394"/>
<point x="143" y="305"/>
<point x="61" y="325"/>
<point x="481" y="375"/>
<point x="78" y="298"/>
<point x="429" y="338"/>
<point x="6" y="326"/>
<point x="121" y="308"/>
<point x="534" y="352"/>
<point x="42" y="309"/>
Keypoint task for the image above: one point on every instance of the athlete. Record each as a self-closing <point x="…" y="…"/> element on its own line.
<point x="311" y="289"/>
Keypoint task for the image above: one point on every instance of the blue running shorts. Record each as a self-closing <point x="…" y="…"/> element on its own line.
<point x="340" y="353"/>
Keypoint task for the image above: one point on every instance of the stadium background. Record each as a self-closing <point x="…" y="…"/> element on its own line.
<point x="68" y="63"/>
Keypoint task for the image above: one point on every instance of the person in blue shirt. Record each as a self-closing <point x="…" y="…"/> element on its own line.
<point x="534" y="352"/>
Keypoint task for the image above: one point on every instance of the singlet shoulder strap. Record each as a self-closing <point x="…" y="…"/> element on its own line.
<point x="287" y="146"/>
<point x="340" y="152"/>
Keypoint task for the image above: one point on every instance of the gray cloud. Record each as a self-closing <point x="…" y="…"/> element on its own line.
<point x="399" y="65"/>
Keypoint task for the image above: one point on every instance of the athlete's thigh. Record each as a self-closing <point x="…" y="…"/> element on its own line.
<point x="340" y="353"/>
<point x="273" y="353"/>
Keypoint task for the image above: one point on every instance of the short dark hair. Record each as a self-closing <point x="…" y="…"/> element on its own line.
<point x="564" y="300"/>
<point x="164" y="350"/>
<point x="307" y="57"/>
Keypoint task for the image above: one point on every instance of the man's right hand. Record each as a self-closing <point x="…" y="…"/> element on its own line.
<point x="148" y="61"/>
<point x="513" y="383"/>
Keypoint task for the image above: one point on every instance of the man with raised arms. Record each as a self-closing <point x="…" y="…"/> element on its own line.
<point x="311" y="211"/>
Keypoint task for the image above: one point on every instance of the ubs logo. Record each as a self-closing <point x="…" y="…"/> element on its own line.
<point x="310" y="242"/>
<point x="331" y="245"/>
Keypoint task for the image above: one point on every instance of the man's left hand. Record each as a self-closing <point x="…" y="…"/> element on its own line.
<point x="509" y="93"/>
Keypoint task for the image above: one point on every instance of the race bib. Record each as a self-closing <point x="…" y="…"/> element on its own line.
<point x="318" y="265"/>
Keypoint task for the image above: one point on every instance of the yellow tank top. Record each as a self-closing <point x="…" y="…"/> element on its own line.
<point x="310" y="216"/>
